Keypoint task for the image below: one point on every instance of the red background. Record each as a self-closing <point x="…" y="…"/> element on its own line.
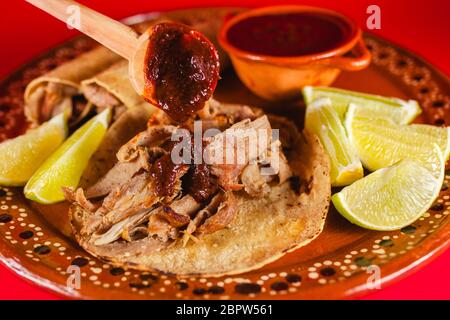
<point x="421" y="26"/>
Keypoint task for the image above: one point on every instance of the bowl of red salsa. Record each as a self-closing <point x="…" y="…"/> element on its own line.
<point x="277" y="50"/>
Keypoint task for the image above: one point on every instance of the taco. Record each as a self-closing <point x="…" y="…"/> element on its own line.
<point x="208" y="218"/>
<point x="112" y="89"/>
<point x="59" y="90"/>
<point x="127" y="125"/>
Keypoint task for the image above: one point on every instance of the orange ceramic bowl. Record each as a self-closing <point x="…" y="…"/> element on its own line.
<point x="282" y="77"/>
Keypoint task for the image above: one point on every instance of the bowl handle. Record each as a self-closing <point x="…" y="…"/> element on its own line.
<point x="360" y="59"/>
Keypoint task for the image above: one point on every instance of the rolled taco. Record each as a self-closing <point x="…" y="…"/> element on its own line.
<point x="206" y="218"/>
<point x="60" y="90"/>
<point x="112" y="89"/>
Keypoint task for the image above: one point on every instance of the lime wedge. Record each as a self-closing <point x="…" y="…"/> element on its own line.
<point x="440" y="135"/>
<point x="66" y="165"/>
<point x="398" y="110"/>
<point x="381" y="143"/>
<point x="21" y="157"/>
<point x="322" y="119"/>
<point x="391" y="198"/>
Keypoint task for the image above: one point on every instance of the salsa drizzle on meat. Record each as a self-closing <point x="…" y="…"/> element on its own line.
<point x="160" y="202"/>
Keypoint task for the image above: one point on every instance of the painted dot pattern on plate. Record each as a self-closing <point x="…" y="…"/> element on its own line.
<point x="25" y="233"/>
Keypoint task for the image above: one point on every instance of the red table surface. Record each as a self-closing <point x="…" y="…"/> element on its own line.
<point x="421" y="26"/>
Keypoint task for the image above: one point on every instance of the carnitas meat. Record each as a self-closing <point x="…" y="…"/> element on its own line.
<point x="147" y="201"/>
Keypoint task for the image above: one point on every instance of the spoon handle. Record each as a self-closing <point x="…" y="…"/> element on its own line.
<point x="111" y="33"/>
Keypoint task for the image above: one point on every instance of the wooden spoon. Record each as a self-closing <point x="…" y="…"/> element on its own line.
<point x="177" y="102"/>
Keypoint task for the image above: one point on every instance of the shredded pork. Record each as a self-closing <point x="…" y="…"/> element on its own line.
<point x="145" y="196"/>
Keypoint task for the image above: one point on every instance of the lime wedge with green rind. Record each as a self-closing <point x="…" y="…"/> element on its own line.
<point x="380" y="143"/>
<point x="398" y="110"/>
<point x="21" y="157"/>
<point x="391" y="198"/>
<point x="66" y="165"/>
<point x="322" y="119"/>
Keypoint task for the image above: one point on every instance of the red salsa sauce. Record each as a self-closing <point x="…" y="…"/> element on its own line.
<point x="181" y="70"/>
<point x="289" y="35"/>
<point x="198" y="180"/>
<point x="164" y="173"/>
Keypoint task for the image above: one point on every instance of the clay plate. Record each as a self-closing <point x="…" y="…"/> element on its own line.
<point x="34" y="239"/>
